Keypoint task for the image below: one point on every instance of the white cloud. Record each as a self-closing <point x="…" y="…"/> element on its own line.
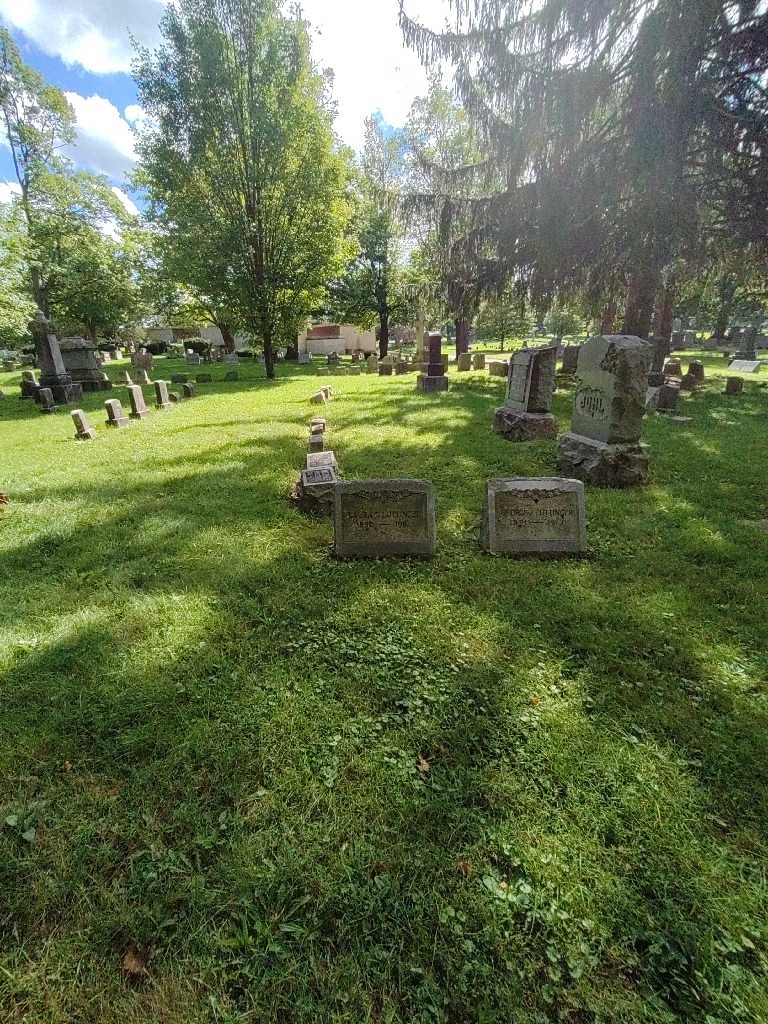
<point x="105" y="141"/>
<point x="9" y="190"/>
<point x="127" y="202"/>
<point x="92" y="33"/>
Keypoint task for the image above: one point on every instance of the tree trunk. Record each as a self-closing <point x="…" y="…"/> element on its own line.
<point x="462" y="336"/>
<point x="608" y="319"/>
<point x="269" y="354"/>
<point x="383" y="334"/>
<point x="665" y="300"/>
<point x="228" y="336"/>
<point x="638" y="313"/>
<point x="92" y="333"/>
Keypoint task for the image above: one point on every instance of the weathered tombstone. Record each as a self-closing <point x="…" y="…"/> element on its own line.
<point x="385" y="369"/>
<point x="232" y="358"/>
<point x="677" y="324"/>
<point x="83" y="429"/>
<point x="734" y="386"/>
<point x="748" y="343"/>
<point x="319" y="398"/>
<point x="315" y="490"/>
<point x="188" y="390"/>
<point x="372" y="363"/>
<point x="317" y="421"/>
<point x="80" y="360"/>
<point x="29" y="384"/>
<point x="316" y="442"/>
<point x="434" y="379"/>
<point x="317" y="427"/>
<point x="673" y="368"/>
<point x="464" y="362"/>
<point x="304" y="358"/>
<point x="142" y="360"/>
<point x="543" y="517"/>
<point x="328" y="392"/>
<point x="525" y="415"/>
<point x="694" y="376"/>
<point x="478" y="361"/>
<point x="333" y="359"/>
<point x="383" y="518"/>
<point x="174" y="396"/>
<point x="179" y="378"/>
<point x="690" y="339"/>
<point x="231" y="375"/>
<point x="354" y="371"/>
<point x="603" y="446"/>
<point x="115" y="415"/>
<point x="45" y="400"/>
<point x="53" y="372"/>
<point x="745" y="365"/>
<point x="570" y="358"/>
<point x="318" y="460"/>
<point x="497" y="368"/>
<point x="193" y="359"/>
<point x="138" y="406"/>
<point x="667" y="396"/>
<point x="162" y="400"/>
<point x="204" y="378"/>
<point x="401" y="367"/>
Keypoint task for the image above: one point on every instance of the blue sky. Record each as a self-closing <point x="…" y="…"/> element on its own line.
<point x="83" y="46"/>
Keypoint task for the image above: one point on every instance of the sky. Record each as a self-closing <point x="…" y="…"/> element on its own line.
<point x="84" y="47"/>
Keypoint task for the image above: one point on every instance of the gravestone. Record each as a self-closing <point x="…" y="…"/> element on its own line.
<point x="53" y="372"/>
<point x="328" y="392"/>
<point x="314" y="491"/>
<point x="304" y="358"/>
<point x="667" y="395"/>
<point x="115" y="415"/>
<point x="603" y="446"/>
<point x="174" y="396"/>
<point x="464" y="362"/>
<point x="748" y="342"/>
<point x="434" y="379"/>
<point x="317" y="427"/>
<point x="401" y="367"/>
<point x="204" y="378"/>
<point x="179" y="378"/>
<point x="525" y="415"/>
<point x="142" y="360"/>
<point x="673" y="368"/>
<point x="543" y="517"/>
<point x="80" y="360"/>
<point x="162" y="400"/>
<point x="233" y="359"/>
<point x="230" y="376"/>
<point x="317" y="460"/>
<point x="333" y="359"/>
<point x="478" y="361"/>
<point x="319" y="398"/>
<point x="354" y="371"/>
<point x="689" y="339"/>
<point x="497" y="368"/>
<point x="193" y="359"/>
<point x="29" y="384"/>
<point x="188" y="390"/>
<point x="318" y="421"/>
<point x="385" y="369"/>
<point x="734" y="386"/>
<point x="372" y="363"/>
<point x="694" y="376"/>
<point x="45" y="400"/>
<point x="570" y="358"/>
<point x="83" y="429"/>
<point x="745" y="365"/>
<point x="677" y="324"/>
<point x="384" y="518"/>
<point x="138" y="406"/>
<point x="316" y="442"/>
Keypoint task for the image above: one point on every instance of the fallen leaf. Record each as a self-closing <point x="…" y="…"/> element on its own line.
<point x="67" y="766"/>
<point x="133" y="963"/>
<point x="465" y="867"/>
<point x="423" y="765"/>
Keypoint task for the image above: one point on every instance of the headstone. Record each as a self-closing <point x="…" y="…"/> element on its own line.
<point x="231" y="357"/>
<point x="142" y="360"/>
<point x="319" y="398"/>
<point x="542" y="517"/>
<point x="667" y="396"/>
<point x="434" y="379"/>
<point x="748" y="343"/>
<point x="318" y="460"/>
<point x="464" y="362"/>
<point x="304" y="358"/>
<point x="694" y="376"/>
<point x="45" y="399"/>
<point x="677" y="324"/>
<point x="316" y="442"/>
<point x="525" y="415"/>
<point x="401" y="367"/>
<point x="317" y="426"/>
<point x="333" y="359"/>
<point x="497" y="368"/>
<point x="745" y="365"/>
<point x="80" y="359"/>
<point x="478" y="361"/>
<point x="231" y="375"/>
<point x="570" y="358"/>
<point x="193" y="359"/>
<point x="734" y="386"/>
<point x="673" y="368"/>
<point x="179" y="378"/>
<point x="204" y="378"/>
<point x="115" y="415"/>
<point x="29" y="384"/>
<point x="603" y="446"/>
<point x="174" y="396"/>
<point x="162" y="400"/>
<point x="314" y="491"/>
<point x="372" y="363"/>
<point x="138" y="406"/>
<point x="188" y="390"/>
<point x="354" y="371"/>
<point x="383" y="518"/>
<point x="689" y="339"/>
<point x="53" y="372"/>
<point x="83" y="429"/>
<point x="328" y="392"/>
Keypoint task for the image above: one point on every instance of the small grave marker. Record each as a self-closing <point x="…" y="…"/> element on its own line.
<point x="162" y="399"/>
<point x="115" y="415"/>
<point x="83" y="429"/>
<point x="384" y="518"/>
<point x="543" y="517"/>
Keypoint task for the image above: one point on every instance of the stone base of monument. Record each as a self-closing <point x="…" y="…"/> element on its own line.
<point x="604" y="465"/>
<point x="65" y="394"/>
<point x="314" y="490"/>
<point x="431" y="385"/>
<point x="524" y="426"/>
<point x="95" y="385"/>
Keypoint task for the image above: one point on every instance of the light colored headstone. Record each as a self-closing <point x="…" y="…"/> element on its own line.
<point x="745" y="365"/>
<point x="115" y="415"/>
<point x="319" y="460"/>
<point x="384" y="518"/>
<point x="464" y="362"/>
<point x="544" y="517"/>
<point x="478" y="361"/>
<point x="45" y="400"/>
<point x="372" y="363"/>
<point x="316" y="442"/>
<point x="497" y="368"/>
<point x="83" y="429"/>
<point x="138" y="406"/>
<point x="319" y="398"/>
<point x="162" y="400"/>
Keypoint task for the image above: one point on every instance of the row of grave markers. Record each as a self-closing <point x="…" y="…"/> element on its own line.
<point x="116" y="417"/>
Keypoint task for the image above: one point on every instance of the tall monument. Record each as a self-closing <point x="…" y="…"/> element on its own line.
<point x="53" y="372"/>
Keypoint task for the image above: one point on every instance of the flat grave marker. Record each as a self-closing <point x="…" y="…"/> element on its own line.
<point x="384" y="518"/>
<point x="540" y="517"/>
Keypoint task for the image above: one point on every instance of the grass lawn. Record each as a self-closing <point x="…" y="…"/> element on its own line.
<point x="243" y="782"/>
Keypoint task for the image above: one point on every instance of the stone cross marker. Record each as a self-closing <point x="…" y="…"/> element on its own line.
<point x="115" y="415"/>
<point x="162" y="401"/>
<point x="603" y="446"/>
<point x="525" y="415"/>
<point x="384" y="518"/>
<point x="138" y="406"/>
<point x="83" y="429"/>
<point x="542" y="517"/>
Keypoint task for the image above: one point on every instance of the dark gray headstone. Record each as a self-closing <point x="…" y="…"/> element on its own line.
<point x="45" y="399"/>
<point x="204" y="378"/>
<point x="179" y="378"/>
<point x="542" y="517"/>
<point x="188" y="390"/>
<point x="316" y="442"/>
<point x="231" y="375"/>
<point x="383" y="518"/>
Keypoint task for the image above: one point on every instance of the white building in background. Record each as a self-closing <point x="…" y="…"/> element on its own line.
<point x="210" y="334"/>
<point x="322" y="339"/>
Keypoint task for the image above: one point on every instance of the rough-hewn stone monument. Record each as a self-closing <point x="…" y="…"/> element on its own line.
<point x="80" y="360"/>
<point x="603" y="446"/>
<point x="53" y="372"/>
<point x="542" y="517"/>
<point x="384" y="518"/>
<point x="525" y="415"/>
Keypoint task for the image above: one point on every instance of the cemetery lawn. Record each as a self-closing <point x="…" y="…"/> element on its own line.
<point x="243" y="782"/>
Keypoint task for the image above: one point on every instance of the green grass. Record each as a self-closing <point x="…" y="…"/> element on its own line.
<point x="299" y="790"/>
